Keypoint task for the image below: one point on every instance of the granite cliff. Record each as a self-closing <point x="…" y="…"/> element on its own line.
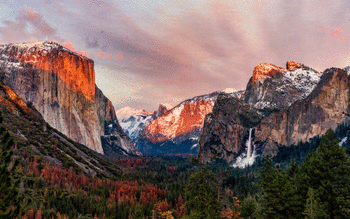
<point x="282" y="106"/>
<point x="326" y="107"/>
<point x="60" y="84"/>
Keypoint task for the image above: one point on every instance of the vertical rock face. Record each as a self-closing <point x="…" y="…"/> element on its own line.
<point x="226" y="128"/>
<point x="275" y="87"/>
<point x="61" y="86"/>
<point x="326" y="107"/>
<point x="177" y="131"/>
<point x="75" y="70"/>
<point x="114" y="139"/>
<point x="180" y="120"/>
<point x="278" y="115"/>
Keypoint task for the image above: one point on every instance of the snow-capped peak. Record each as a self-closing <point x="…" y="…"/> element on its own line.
<point x="168" y="106"/>
<point x="347" y="69"/>
<point x="229" y="90"/>
<point x="126" y="112"/>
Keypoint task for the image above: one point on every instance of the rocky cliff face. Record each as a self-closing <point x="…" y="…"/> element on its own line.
<point x="60" y="84"/>
<point x="225" y="129"/>
<point x="177" y="131"/>
<point x="275" y="87"/>
<point x="182" y="119"/>
<point x="326" y="107"/>
<point x="283" y="106"/>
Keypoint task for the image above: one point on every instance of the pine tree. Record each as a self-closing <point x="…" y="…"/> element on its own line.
<point x="268" y="190"/>
<point x="327" y="172"/>
<point x="280" y="197"/>
<point x="248" y="207"/>
<point x="138" y="212"/>
<point x="201" y="201"/>
<point x="9" y="202"/>
<point x="313" y="208"/>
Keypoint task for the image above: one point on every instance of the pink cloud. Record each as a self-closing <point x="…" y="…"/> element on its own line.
<point x="336" y="31"/>
<point x="105" y="55"/>
<point x="28" y="25"/>
<point x="119" y="56"/>
<point x="70" y="46"/>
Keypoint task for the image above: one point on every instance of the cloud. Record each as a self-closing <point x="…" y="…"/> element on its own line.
<point x="105" y="55"/>
<point x="28" y="25"/>
<point x="174" y="50"/>
<point x="70" y="46"/>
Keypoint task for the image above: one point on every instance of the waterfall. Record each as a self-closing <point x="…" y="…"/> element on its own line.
<point x="248" y="158"/>
<point x="249" y="145"/>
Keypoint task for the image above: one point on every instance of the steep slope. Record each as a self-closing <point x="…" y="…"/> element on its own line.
<point x="60" y="84"/>
<point x="270" y="90"/>
<point x="326" y="107"/>
<point x="133" y="121"/>
<point x="275" y="87"/>
<point x="177" y="131"/>
<point x="226" y="128"/>
<point x="35" y="138"/>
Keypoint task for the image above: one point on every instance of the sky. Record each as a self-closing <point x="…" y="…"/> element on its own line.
<point x="148" y="52"/>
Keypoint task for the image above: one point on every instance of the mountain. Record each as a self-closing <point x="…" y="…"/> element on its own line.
<point x="133" y="121"/>
<point x="34" y="137"/>
<point x="125" y="113"/>
<point x="177" y="131"/>
<point x="326" y="107"/>
<point x="275" y="87"/>
<point x="281" y="107"/>
<point x="60" y="84"/>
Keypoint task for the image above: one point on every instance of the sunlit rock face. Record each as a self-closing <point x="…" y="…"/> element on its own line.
<point x="75" y="70"/>
<point x="326" y="107"/>
<point x="322" y="103"/>
<point x="61" y="86"/>
<point x="180" y="120"/>
<point x="277" y="88"/>
<point x="178" y="130"/>
<point x="265" y="70"/>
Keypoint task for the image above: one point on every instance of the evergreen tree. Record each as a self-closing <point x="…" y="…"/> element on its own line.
<point x="327" y="172"/>
<point x="268" y="191"/>
<point x="201" y="201"/>
<point x="280" y="197"/>
<point x="248" y="207"/>
<point x="313" y="208"/>
<point x="138" y="212"/>
<point x="9" y="202"/>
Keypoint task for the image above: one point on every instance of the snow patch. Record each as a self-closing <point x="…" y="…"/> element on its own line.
<point x="303" y="80"/>
<point x="343" y="141"/>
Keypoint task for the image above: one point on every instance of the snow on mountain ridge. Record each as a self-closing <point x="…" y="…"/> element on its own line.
<point x="126" y="112"/>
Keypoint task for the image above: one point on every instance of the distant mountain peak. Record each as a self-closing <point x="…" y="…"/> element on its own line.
<point x="264" y="70"/>
<point x="126" y="112"/>
<point x="229" y="90"/>
<point x="293" y="65"/>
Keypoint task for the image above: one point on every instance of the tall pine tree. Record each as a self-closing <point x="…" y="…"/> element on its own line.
<point x="327" y="172"/>
<point x="9" y="202"/>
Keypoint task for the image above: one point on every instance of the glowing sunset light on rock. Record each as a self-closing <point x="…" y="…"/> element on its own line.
<point x="77" y="71"/>
<point x="264" y="70"/>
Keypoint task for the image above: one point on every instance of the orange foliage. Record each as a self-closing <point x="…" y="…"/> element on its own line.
<point x="179" y="208"/>
<point x="120" y="191"/>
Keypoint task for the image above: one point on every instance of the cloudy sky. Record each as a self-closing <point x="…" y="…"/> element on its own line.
<point x="164" y="51"/>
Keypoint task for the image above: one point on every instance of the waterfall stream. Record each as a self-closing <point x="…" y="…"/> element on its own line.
<point x="249" y="145"/>
<point x="248" y="158"/>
